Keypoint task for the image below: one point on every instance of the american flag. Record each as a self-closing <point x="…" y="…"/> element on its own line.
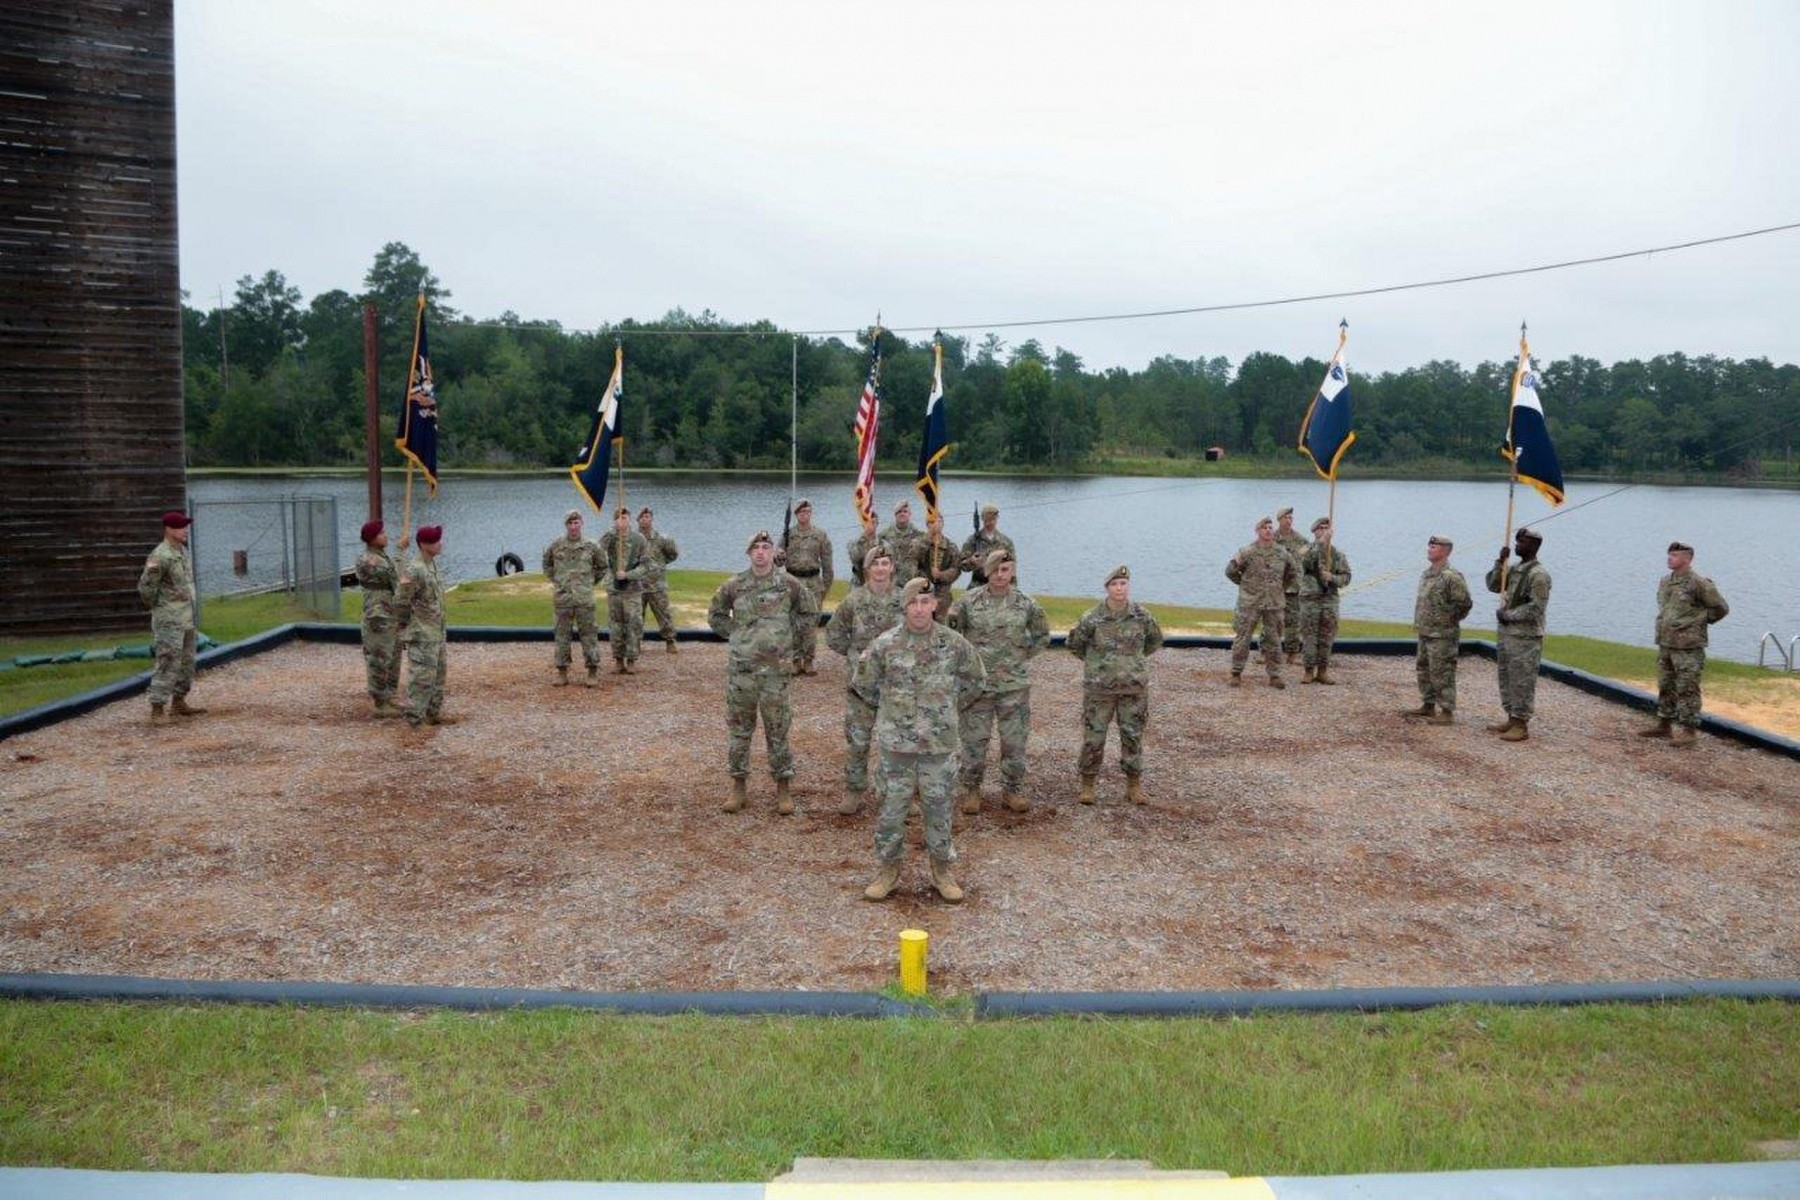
<point x="868" y="419"/>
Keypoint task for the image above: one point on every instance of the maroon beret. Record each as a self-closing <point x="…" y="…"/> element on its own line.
<point x="176" y="520"/>
<point x="371" y="530"/>
<point x="429" y="535"/>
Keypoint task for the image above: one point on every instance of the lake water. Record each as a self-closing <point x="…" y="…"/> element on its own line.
<point x="1176" y="534"/>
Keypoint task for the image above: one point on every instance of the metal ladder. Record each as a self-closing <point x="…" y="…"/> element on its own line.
<point x="1789" y="655"/>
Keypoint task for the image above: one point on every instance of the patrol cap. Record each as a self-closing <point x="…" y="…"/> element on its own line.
<point x="1321" y="523"/>
<point x="371" y="530"/>
<point x="903" y="506"/>
<point x="1529" y="535"/>
<point x="429" y="535"/>
<point x="574" y="514"/>
<point x="1283" y="512"/>
<point x="176" y="519"/>
<point x="801" y="503"/>
<point x="1119" y="572"/>
<point x="761" y="535"/>
<point x="1680" y="548"/>
<point x="874" y="552"/>
<point x="1438" y="539"/>
<point x="914" y="588"/>
<point x="988" y="510"/>
<point x="995" y="558"/>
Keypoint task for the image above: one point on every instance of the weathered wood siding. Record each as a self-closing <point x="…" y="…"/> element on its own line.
<point x="90" y="308"/>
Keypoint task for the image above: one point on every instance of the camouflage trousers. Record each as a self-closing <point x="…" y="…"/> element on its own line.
<point x="933" y="777"/>
<point x="1678" y="685"/>
<point x="749" y="694"/>
<point x="425" y="658"/>
<point x="625" y="616"/>
<point x="859" y="733"/>
<point x="1318" y="630"/>
<point x="806" y="629"/>
<point x="381" y="657"/>
<point x="1292" y="637"/>
<point x="1517" y="659"/>
<point x="173" y="643"/>
<point x="656" y="602"/>
<point x="1100" y="709"/>
<point x="577" y="619"/>
<point x="1243" y="624"/>
<point x="1435" y="665"/>
<point x="1012" y="712"/>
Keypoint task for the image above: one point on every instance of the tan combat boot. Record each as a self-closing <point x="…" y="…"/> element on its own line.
<point x="1659" y="730"/>
<point x="181" y="708"/>
<point x="739" y="796"/>
<point x="1276" y="681"/>
<point x="945" y="882"/>
<point x="884" y="882"/>
<point x="619" y="666"/>
<point x="784" y="799"/>
<point x="443" y="719"/>
<point x="1294" y="658"/>
<point x="971" y="802"/>
<point x="851" y="804"/>
<point x="670" y="646"/>
<point x="1419" y="713"/>
<point x="593" y="677"/>
<point x="562" y="677"/>
<point x="630" y="667"/>
<point x="1443" y="716"/>
<point x="1015" y="802"/>
<point x="1134" y="790"/>
<point x="1502" y="726"/>
<point x="1681" y="735"/>
<point x="1236" y="680"/>
<point x="158" y="713"/>
<point x="1324" y="677"/>
<point x="1519" y="732"/>
<point x="385" y="709"/>
<point x="1307" y="676"/>
<point x="1087" y="789"/>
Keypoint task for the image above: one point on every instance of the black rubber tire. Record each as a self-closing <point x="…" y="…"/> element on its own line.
<point x="508" y="564"/>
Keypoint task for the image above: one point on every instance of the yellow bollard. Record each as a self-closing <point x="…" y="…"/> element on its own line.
<point x="913" y="943"/>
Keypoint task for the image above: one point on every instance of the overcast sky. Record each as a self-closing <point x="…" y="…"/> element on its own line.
<point x="964" y="163"/>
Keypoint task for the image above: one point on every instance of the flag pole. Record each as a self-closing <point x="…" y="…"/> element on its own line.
<point x="406" y="508"/>
<point x="1331" y="488"/>
<point x="1512" y="455"/>
<point x="794" y="420"/>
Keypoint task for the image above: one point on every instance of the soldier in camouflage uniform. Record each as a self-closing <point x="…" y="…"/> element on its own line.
<point x="859" y="551"/>
<point x="1008" y="629"/>
<point x="1114" y="640"/>
<point x="420" y="600"/>
<point x="866" y="613"/>
<point x="377" y="576"/>
<point x="906" y="542"/>
<point x="1295" y="544"/>
<point x="760" y="612"/>
<point x="1524" y="596"/>
<point x="626" y="555"/>
<point x="806" y="554"/>
<point x="918" y="675"/>
<point x="166" y="587"/>
<point x="983" y="542"/>
<point x="942" y="552"/>
<point x="1442" y="602"/>
<point x="659" y="552"/>
<point x="1324" y="571"/>
<point x="1263" y="572"/>
<point x="574" y="564"/>
<point x="1686" y="603"/>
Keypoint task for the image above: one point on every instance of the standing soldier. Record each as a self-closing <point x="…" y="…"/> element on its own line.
<point x="420" y="599"/>
<point x="1295" y="544"/>
<point x="984" y="541"/>
<point x="626" y="552"/>
<point x="866" y="613"/>
<point x="167" y="590"/>
<point x="1323" y="572"/>
<point x="941" y="562"/>
<point x="659" y="552"/>
<point x="377" y="575"/>
<point x="1442" y="602"/>
<point x="1686" y="603"/>
<point x="574" y="564"/>
<point x="759" y="612"/>
<point x="1114" y="640"/>
<point x="906" y="542"/>
<point x="806" y="551"/>
<point x="1008" y="629"/>
<point x="918" y="676"/>
<point x="1520" y="645"/>
<point x="1263" y="572"/>
<point x="859" y="550"/>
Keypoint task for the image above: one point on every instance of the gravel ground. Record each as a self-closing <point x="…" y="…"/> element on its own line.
<point x="572" y="838"/>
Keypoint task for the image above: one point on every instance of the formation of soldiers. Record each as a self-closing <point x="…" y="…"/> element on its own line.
<point x="931" y="680"/>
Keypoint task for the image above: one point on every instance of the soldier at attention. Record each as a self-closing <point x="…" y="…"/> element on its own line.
<point x="1687" y="604"/>
<point x="377" y="576"/>
<point x="1440" y="605"/>
<point x="759" y="613"/>
<point x="1263" y="571"/>
<point x="1324" y="571"/>
<point x="166" y="586"/>
<point x="626" y="555"/>
<point x="919" y="676"/>
<point x="1114" y="640"/>
<point x="986" y="539"/>
<point x="806" y="553"/>
<point x="906" y="542"/>
<point x="1524" y="595"/>
<point x="1294" y="542"/>
<point x="659" y="552"/>
<point x="574" y="565"/>
<point x="865" y="614"/>
<point x="420" y="600"/>
<point x="1008" y="629"/>
<point x="859" y="550"/>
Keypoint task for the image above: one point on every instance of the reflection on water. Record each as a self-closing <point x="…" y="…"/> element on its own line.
<point x="1176" y="535"/>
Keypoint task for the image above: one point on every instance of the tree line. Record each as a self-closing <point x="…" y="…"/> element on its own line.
<point x="271" y="380"/>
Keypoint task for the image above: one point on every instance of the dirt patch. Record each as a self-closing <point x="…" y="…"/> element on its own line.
<point x="572" y="838"/>
<point x="1771" y="703"/>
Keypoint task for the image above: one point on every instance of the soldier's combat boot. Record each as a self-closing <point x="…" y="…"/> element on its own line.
<point x="1236" y="680"/>
<point x="1307" y="675"/>
<point x="784" y="798"/>
<point x="1502" y="727"/>
<point x="593" y="677"/>
<point x="618" y="666"/>
<point x="884" y="882"/>
<point x="1324" y="676"/>
<point x="1443" y="716"/>
<point x="670" y="646"/>
<point x="442" y="719"/>
<point x="1014" y="801"/>
<point x="739" y="796"/>
<point x="1419" y="713"/>
<point x="562" y="677"/>
<point x="1134" y="790"/>
<point x="1520" y="732"/>
<point x="181" y="708"/>
<point x="631" y="666"/>
<point x="1295" y="658"/>
<point x="945" y="882"/>
<point x="158" y="713"/>
<point x="1087" y="789"/>
<point x="851" y="804"/>
<point x="385" y="709"/>
<point x="1277" y="682"/>
<point x="971" y="801"/>
<point x="1659" y="730"/>
<point x="1681" y="735"/>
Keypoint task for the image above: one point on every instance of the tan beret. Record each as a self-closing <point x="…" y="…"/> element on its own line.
<point x="1529" y="535"/>
<point x="1321" y="523"/>
<point x="574" y="514"/>
<point x="801" y="503"/>
<point x="622" y="511"/>
<point x="1119" y="572"/>
<point x="1261" y="521"/>
<point x="1283" y="512"/>
<point x="915" y="588"/>
<point x="761" y="535"/>
<point x="988" y="510"/>
<point x="995" y="558"/>
<point x="904" y="504"/>
<point x="1680" y="548"/>
<point x="1438" y="539"/>
<point x="878" y="550"/>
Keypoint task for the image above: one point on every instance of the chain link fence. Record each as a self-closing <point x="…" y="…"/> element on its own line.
<point x="284" y="544"/>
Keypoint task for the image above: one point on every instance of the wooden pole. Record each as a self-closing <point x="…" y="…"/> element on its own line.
<point x="406" y="508"/>
<point x="371" y="412"/>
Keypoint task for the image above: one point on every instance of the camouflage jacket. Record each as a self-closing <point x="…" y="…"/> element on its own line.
<point x="1442" y="602"/>
<point x="859" y="548"/>
<point x="861" y="617"/>
<point x="632" y="552"/>
<point x="1686" y="603"/>
<point x="1264" y="575"/>
<point x="758" y="617"/>
<point x="808" y="554"/>
<point x="377" y="576"/>
<point x="1313" y="567"/>
<point x="908" y="548"/>
<point x="981" y="543"/>
<point x="1114" y="648"/>
<point x="573" y="566"/>
<point x="166" y="585"/>
<point x="919" y="683"/>
<point x="1527" y="596"/>
<point x="659" y="552"/>
<point x="1295" y="543"/>
<point x="949" y="563"/>
<point x="1008" y="631"/>
<point x="420" y="600"/>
